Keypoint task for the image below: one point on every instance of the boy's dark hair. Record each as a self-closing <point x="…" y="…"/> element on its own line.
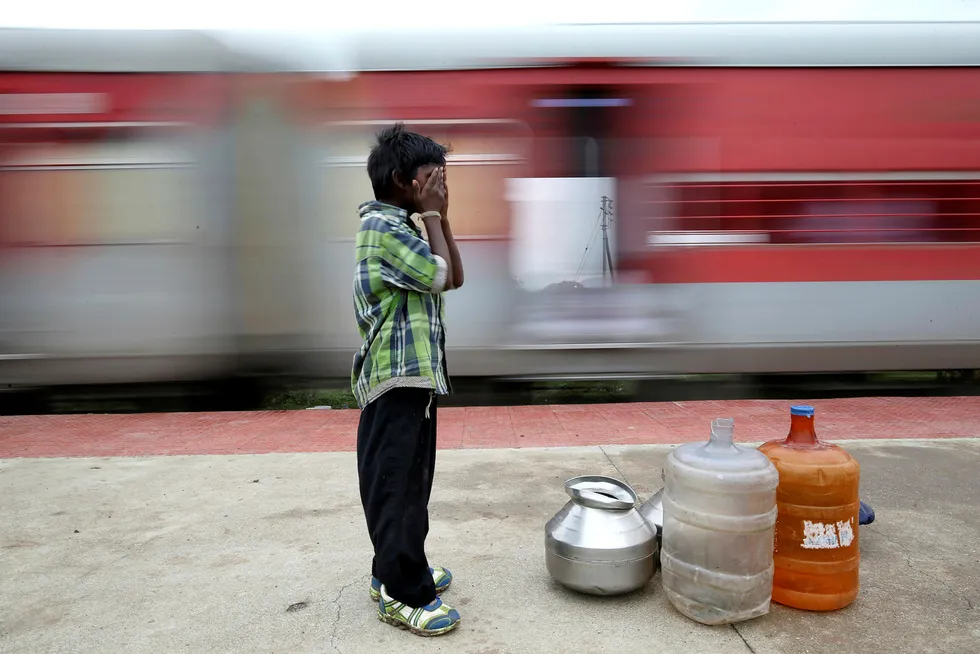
<point x="403" y="152"/>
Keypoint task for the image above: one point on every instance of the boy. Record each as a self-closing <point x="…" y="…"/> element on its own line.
<point x="401" y="369"/>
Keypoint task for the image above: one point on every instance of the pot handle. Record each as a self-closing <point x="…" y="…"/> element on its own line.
<point x="591" y="492"/>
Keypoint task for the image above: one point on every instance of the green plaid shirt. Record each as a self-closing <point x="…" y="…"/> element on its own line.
<point x="398" y="304"/>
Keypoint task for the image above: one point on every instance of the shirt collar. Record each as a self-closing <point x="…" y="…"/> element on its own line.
<point x="389" y="211"/>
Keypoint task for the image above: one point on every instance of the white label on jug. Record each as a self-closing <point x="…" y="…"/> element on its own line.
<point x="818" y="536"/>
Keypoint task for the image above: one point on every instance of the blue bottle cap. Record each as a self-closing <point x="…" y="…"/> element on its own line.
<point x="805" y="411"/>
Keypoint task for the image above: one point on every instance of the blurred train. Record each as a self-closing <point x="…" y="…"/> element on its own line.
<point x="630" y="201"/>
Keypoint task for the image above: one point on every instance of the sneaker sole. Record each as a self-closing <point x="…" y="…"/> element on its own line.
<point x="394" y="622"/>
<point x="376" y="596"/>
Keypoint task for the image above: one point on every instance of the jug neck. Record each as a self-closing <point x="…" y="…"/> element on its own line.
<point x="801" y="431"/>
<point x="722" y="435"/>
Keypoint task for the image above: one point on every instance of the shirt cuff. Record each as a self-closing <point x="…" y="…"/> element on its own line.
<point x="442" y="272"/>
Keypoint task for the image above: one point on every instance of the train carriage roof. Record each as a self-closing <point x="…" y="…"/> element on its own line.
<point x="143" y="51"/>
<point x="693" y="44"/>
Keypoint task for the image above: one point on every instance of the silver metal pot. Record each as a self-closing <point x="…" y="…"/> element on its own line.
<point x="599" y="543"/>
<point x="653" y="512"/>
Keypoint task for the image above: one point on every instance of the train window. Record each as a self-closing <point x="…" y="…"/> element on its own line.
<point x="91" y="192"/>
<point x="844" y="210"/>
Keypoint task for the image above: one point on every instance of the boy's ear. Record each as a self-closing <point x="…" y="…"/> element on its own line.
<point x="398" y="179"/>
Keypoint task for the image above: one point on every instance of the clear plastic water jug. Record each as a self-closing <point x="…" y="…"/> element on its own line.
<point x="719" y="506"/>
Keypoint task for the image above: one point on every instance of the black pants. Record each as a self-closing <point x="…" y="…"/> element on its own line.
<point x="396" y="456"/>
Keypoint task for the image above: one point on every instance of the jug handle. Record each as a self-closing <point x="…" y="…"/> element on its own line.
<point x="596" y="500"/>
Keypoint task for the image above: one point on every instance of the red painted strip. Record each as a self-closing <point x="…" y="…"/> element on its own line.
<point x="823" y="263"/>
<point x="479" y="427"/>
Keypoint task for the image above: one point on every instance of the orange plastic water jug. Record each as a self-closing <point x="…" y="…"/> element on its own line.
<point x="816" y="554"/>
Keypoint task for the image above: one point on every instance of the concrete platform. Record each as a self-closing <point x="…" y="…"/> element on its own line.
<point x="268" y="553"/>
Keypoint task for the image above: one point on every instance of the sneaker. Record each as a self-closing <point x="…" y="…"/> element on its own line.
<point x="866" y="515"/>
<point x="433" y="619"/>
<point x="442" y="577"/>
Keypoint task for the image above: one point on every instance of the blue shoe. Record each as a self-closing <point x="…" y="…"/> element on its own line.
<point x="443" y="579"/>
<point x="866" y="515"/>
<point x="434" y="619"/>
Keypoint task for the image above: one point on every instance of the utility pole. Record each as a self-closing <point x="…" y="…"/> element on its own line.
<point x="606" y="222"/>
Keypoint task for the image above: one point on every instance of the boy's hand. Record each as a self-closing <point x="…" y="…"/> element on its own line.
<point x="432" y="196"/>
<point x="445" y="186"/>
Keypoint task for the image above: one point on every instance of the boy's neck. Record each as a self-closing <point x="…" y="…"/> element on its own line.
<point x="398" y="205"/>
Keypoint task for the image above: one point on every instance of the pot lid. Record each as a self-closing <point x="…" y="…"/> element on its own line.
<point x="601" y="492"/>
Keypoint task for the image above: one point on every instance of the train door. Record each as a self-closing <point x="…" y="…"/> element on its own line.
<point x="564" y="231"/>
<point x="568" y="219"/>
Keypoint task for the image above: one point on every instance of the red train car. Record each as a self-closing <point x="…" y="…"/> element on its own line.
<point x="786" y="198"/>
